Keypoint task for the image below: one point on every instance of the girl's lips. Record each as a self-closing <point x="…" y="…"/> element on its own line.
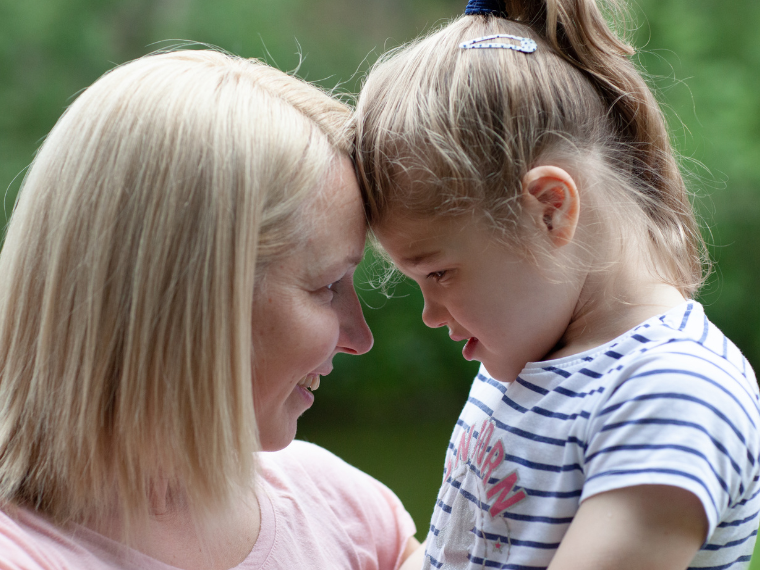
<point x="456" y="337"/>
<point x="469" y="349"/>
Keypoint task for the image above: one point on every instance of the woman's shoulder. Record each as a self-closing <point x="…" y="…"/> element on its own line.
<point x="18" y="548"/>
<point x="300" y="451"/>
<point x="327" y="483"/>
<point x="29" y="542"/>
<point x="307" y="466"/>
<point x="319" y="497"/>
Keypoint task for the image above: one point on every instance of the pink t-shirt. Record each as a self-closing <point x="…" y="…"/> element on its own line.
<point x="317" y="512"/>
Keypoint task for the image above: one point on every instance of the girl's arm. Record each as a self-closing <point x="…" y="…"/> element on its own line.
<point x="647" y="527"/>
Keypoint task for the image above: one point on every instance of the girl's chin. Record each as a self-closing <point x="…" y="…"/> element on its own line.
<point x="470" y="347"/>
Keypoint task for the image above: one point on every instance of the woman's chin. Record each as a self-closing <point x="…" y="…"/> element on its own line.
<point x="276" y="433"/>
<point x="278" y="441"/>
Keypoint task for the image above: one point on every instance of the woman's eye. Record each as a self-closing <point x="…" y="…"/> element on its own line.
<point x="437" y="275"/>
<point x="334" y="285"/>
<point x="334" y="288"/>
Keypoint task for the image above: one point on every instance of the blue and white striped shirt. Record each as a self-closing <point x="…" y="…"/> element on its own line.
<point x="671" y="402"/>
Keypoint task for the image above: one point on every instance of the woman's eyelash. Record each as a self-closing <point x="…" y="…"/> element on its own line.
<point x="437" y="275"/>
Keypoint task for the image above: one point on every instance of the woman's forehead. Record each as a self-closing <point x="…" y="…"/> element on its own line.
<point x="337" y="219"/>
<point x="334" y="229"/>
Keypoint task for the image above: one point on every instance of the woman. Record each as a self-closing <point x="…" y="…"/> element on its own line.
<point x="176" y="274"/>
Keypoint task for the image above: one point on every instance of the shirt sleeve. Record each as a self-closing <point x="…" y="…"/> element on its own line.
<point x="391" y="523"/>
<point x="682" y="418"/>
<point x="370" y="513"/>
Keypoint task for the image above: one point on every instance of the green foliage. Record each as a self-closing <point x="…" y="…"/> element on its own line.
<point x="703" y="58"/>
<point x="50" y="50"/>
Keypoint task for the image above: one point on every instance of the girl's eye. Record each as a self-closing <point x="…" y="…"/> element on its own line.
<point x="437" y="275"/>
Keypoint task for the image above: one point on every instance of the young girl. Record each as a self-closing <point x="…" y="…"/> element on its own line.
<point x="518" y="168"/>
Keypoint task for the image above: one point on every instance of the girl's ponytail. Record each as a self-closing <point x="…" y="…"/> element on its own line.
<point x="446" y="130"/>
<point x="579" y="32"/>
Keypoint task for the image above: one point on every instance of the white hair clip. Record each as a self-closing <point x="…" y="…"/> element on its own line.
<point x="526" y="45"/>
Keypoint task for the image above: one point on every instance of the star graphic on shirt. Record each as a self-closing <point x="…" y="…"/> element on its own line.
<point x="498" y="544"/>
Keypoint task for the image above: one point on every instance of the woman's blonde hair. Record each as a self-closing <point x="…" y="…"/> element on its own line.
<point x="443" y="130"/>
<point x="127" y="280"/>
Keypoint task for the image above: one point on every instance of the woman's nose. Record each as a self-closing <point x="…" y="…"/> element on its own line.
<point x="356" y="338"/>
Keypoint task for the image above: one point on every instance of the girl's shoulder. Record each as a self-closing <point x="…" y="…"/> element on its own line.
<point x="681" y="340"/>
<point x="683" y="348"/>
<point x="680" y="406"/>
<point x="674" y="366"/>
<point x="686" y="330"/>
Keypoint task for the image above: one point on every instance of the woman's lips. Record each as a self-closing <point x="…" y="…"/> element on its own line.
<point x="306" y="386"/>
<point x="469" y="348"/>
<point x="306" y="395"/>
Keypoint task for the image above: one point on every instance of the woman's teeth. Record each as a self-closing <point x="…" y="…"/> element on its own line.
<point x="310" y="382"/>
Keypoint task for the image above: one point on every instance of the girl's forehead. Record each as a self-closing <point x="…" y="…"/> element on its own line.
<point x="409" y="231"/>
<point x="414" y="240"/>
<point x="398" y="225"/>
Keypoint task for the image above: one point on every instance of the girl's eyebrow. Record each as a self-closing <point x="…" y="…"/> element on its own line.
<point x="426" y="257"/>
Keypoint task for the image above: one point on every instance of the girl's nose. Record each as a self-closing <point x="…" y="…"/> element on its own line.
<point x="434" y="315"/>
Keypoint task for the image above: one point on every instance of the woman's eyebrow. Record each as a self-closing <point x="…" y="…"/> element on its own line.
<point x="350" y="261"/>
<point x="355" y="259"/>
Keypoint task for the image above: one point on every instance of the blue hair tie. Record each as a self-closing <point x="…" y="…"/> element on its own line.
<point x="486" y="7"/>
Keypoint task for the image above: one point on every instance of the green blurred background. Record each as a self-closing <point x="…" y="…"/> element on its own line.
<point x="391" y="412"/>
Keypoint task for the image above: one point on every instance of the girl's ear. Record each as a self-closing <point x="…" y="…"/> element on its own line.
<point x="550" y="199"/>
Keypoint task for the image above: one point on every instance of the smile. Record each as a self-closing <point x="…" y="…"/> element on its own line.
<point x="311" y="382"/>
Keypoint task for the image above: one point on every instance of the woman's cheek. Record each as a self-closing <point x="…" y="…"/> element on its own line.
<point x="328" y="331"/>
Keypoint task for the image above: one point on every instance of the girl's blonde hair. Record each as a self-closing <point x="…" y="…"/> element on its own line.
<point x="127" y="280"/>
<point x="443" y="130"/>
